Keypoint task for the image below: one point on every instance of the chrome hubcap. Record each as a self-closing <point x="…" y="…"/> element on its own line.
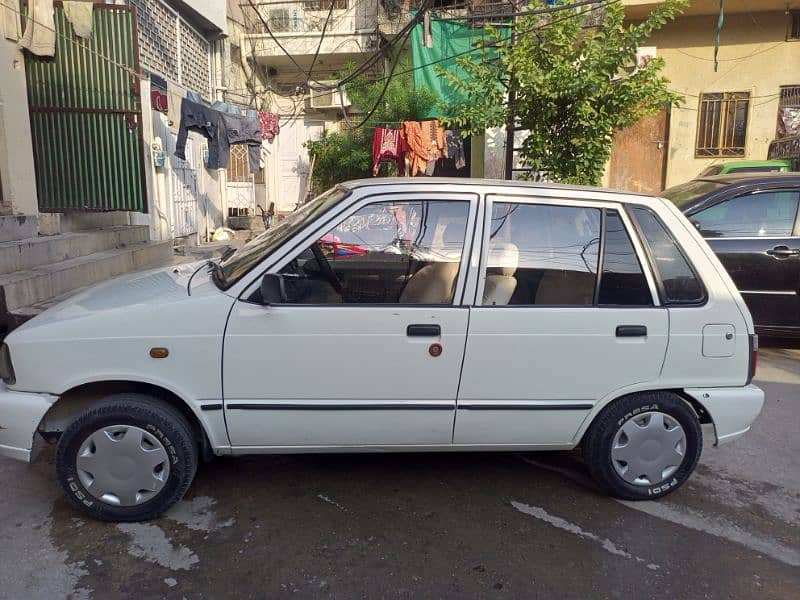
<point x="122" y="465"/>
<point x="648" y="448"/>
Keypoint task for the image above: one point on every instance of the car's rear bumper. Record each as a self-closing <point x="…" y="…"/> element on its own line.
<point x="20" y="415"/>
<point x="732" y="410"/>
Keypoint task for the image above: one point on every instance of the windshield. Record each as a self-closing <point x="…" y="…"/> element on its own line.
<point x="245" y="258"/>
<point x="683" y="194"/>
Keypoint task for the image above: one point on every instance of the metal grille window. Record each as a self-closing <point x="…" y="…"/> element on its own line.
<point x="722" y="124"/>
<point x="325" y="4"/>
<point x="172" y="48"/>
<point x="788" y="112"/>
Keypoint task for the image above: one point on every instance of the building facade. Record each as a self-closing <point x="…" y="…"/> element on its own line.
<point x="731" y="113"/>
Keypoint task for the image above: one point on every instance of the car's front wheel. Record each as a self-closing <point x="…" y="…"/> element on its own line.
<point x="643" y="446"/>
<point x="128" y="458"/>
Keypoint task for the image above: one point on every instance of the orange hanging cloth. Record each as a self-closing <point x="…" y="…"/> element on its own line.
<point x="418" y="146"/>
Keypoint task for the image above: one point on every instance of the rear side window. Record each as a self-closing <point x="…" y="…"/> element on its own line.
<point x="622" y="282"/>
<point x="761" y="214"/>
<point x="679" y="282"/>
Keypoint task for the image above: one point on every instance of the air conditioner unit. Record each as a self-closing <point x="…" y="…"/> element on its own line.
<point x="327" y="99"/>
<point x="279" y="20"/>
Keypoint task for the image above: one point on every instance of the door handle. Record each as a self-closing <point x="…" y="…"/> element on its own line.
<point x="783" y="251"/>
<point x="631" y="331"/>
<point x="423" y="331"/>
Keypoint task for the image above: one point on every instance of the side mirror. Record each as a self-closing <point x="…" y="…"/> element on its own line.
<point x="273" y="289"/>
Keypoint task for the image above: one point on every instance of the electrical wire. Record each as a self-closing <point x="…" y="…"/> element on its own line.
<point x="321" y="39"/>
<point x="526" y="13"/>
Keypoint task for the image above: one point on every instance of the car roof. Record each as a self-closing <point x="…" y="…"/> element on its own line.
<point x="770" y="178"/>
<point x="496" y="183"/>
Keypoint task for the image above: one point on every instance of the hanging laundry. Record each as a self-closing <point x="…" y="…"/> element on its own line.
<point x="388" y="145"/>
<point x="39" y="37"/>
<point x="245" y="130"/>
<point x="222" y="129"/>
<point x="79" y="14"/>
<point x="9" y="22"/>
<point x="270" y="125"/>
<point x="434" y="134"/>
<point x="418" y="146"/>
<point x="455" y="147"/>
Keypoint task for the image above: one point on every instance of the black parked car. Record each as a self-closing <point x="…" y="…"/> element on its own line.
<point x="751" y="222"/>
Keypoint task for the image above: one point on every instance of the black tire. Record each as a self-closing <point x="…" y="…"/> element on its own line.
<point x="597" y="442"/>
<point x="161" y="420"/>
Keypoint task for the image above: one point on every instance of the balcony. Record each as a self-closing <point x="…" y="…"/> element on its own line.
<point x="351" y="35"/>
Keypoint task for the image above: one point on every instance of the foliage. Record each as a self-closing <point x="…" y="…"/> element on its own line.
<point x="575" y="85"/>
<point x="348" y="155"/>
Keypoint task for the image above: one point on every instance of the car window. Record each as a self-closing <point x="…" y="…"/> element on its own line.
<point x="541" y="254"/>
<point x="679" y="281"/>
<point x="761" y="214"/>
<point x="622" y="280"/>
<point x="384" y="253"/>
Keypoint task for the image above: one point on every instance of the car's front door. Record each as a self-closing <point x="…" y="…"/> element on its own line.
<point x="564" y="315"/>
<point x="367" y="347"/>
<point x="756" y="238"/>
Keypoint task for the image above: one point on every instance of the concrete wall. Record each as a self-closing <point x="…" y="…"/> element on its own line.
<point x="16" y="152"/>
<point x="754" y="57"/>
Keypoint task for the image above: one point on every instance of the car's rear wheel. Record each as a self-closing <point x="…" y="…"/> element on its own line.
<point x="643" y="446"/>
<point x="128" y="458"/>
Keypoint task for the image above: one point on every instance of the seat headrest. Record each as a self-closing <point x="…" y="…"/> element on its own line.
<point x="503" y="257"/>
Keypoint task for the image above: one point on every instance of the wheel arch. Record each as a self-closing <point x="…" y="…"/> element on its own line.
<point x="703" y="416"/>
<point x="77" y="399"/>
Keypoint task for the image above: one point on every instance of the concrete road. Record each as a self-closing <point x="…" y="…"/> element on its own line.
<point x="430" y="526"/>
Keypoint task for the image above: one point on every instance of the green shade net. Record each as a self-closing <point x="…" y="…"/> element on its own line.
<point x="451" y="40"/>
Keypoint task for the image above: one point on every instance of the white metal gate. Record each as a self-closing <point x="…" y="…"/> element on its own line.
<point x="183" y="183"/>
<point x="240" y="184"/>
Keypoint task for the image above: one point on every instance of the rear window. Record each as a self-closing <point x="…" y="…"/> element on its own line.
<point x="679" y="282"/>
<point x="683" y="194"/>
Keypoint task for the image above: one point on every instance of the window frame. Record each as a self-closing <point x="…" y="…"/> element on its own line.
<point x="639" y="248"/>
<point x="298" y="244"/>
<point x="642" y="239"/>
<point x="795" y="223"/>
<point x="721" y="123"/>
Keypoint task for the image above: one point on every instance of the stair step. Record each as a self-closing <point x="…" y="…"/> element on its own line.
<point x="22" y="255"/>
<point x="36" y="285"/>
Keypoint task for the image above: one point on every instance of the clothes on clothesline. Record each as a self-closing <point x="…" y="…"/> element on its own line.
<point x="388" y="146"/>
<point x="39" y="37"/>
<point x="270" y="125"/>
<point x="79" y="14"/>
<point x="222" y="129"/>
<point x="455" y="147"/>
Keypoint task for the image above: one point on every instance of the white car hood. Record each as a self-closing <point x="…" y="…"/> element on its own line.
<point x="153" y="288"/>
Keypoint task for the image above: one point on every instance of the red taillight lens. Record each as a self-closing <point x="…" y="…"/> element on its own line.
<point x="753" y="357"/>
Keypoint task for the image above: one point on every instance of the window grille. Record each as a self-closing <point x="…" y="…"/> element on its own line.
<point x="722" y="124"/>
<point x="788" y="112"/>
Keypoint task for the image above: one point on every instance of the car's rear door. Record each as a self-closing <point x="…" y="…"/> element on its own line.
<point x="756" y="237"/>
<point x="548" y="338"/>
<point x="370" y="356"/>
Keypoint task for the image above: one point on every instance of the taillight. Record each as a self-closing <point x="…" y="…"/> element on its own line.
<point x="751" y="372"/>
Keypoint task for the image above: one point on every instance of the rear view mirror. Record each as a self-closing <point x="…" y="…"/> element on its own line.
<point x="273" y="289"/>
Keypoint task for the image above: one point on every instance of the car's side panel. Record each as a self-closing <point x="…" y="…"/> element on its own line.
<point x="533" y="374"/>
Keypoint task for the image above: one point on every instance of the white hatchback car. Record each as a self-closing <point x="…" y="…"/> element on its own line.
<point x="397" y="315"/>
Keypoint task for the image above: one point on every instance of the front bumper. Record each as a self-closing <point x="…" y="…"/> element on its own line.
<point x="20" y="415"/>
<point x="732" y="410"/>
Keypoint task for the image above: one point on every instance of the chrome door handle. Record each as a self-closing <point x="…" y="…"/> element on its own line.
<point x="783" y="251"/>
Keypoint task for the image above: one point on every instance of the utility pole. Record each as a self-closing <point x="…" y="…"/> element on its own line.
<point x="511" y="118"/>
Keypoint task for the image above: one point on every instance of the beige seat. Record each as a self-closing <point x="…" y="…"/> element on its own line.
<point x="566" y="287"/>
<point x="502" y="263"/>
<point x="432" y="284"/>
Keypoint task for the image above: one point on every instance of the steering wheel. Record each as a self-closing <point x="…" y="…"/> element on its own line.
<point x="327" y="270"/>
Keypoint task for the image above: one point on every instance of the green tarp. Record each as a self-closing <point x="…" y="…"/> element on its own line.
<point x="451" y="39"/>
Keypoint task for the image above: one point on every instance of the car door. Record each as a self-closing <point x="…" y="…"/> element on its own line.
<point x="367" y="347"/>
<point x="755" y="236"/>
<point x="548" y="338"/>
